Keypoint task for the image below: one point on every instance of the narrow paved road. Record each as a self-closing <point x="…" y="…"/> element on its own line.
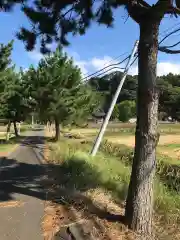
<point x="21" y="191"/>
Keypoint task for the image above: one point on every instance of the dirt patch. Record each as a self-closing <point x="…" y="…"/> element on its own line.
<point x="173" y="153"/>
<point x="52" y="219"/>
<point x="11" y="204"/>
<point x="126" y="140"/>
<point x="165" y="139"/>
<point x="93" y="213"/>
<point x="3" y="154"/>
<point x="85" y="131"/>
<point x="130" y="140"/>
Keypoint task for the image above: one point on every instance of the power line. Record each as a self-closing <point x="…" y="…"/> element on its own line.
<point x="115" y="64"/>
<point x="169" y="28"/>
<point x="105" y="65"/>
<point x="108" y="71"/>
<point x="169" y="34"/>
<point x="166" y="32"/>
<point x="115" y="58"/>
<point x="136" y="56"/>
<point x="111" y="65"/>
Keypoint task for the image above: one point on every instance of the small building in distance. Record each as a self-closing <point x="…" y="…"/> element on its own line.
<point x="98" y="116"/>
<point x="132" y="120"/>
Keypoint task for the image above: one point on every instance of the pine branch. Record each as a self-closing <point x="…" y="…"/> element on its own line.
<point x="166" y="7"/>
<point x="171" y="46"/>
<point x="169" y="51"/>
<point x="166" y="49"/>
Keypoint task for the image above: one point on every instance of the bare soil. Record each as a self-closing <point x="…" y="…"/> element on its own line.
<point x="130" y="140"/>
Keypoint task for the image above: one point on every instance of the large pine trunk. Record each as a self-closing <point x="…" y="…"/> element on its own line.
<point x="57" y="129"/>
<point x="139" y="204"/>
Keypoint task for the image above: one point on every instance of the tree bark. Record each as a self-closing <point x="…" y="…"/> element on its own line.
<point x="139" y="204"/>
<point x="8" y="130"/>
<point x="57" y="129"/>
<point x="15" y="129"/>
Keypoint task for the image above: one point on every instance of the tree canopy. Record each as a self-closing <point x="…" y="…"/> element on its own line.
<point x="57" y="88"/>
<point x="53" y="20"/>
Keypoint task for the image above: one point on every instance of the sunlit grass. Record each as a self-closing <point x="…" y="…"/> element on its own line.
<point x="6" y="147"/>
<point x="82" y="172"/>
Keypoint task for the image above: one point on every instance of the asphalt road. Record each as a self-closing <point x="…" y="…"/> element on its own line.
<point x="21" y="186"/>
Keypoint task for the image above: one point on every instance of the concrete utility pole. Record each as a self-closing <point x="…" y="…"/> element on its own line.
<point x="32" y="122"/>
<point x="108" y="115"/>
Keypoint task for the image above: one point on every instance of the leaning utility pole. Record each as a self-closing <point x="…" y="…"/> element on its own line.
<point x="108" y="115"/>
<point x="32" y="120"/>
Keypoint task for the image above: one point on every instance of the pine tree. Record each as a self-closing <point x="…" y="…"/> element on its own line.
<point x="12" y="99"/>
<point x="58" y="91"/>
<point x="5" y="54"/>
<point x="5" y="60"/>
<point x="13" y="104"/>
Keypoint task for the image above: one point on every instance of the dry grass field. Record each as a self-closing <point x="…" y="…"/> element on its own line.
<point x="169" y="141"/>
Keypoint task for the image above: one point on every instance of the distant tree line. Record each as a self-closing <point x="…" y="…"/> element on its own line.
<point x="169" y="95"/>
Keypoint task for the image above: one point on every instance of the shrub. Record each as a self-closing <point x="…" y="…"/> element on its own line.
<point x="127" y="110"/>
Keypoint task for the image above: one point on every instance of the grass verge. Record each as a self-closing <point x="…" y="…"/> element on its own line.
<point x="6" y="148"/>
<point x="102" y="183"/>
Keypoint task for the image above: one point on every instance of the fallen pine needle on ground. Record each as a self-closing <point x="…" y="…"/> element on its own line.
<point x="11" y="204"/>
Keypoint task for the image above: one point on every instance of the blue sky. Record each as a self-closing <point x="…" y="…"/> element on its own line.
<point x="94" y="50"/>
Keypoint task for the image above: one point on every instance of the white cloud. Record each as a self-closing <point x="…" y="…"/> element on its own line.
<point x="95" y="64"/>
<point x="133" y="70"/>
<point x="99" y="63"/>
<point x="25" y="69"/>
<point x="52" y="46"/>
<point x="86" y="66"/>
<point x="83" y="66"/>
<point x="163" y="68"/>
<point x="35" y="55"/>
<point x="92" y="65"/>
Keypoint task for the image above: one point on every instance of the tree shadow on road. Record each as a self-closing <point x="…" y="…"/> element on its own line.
<point x="34" y="179"/>
<point x="58" y="183"/>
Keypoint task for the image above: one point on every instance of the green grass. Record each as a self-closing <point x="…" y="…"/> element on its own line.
<point x="171" y="145"/>
<point x="111" y="173"/>
<point x="25" y="127"/>
<point x="167" y="169"/>
<point x="81" y="171"/>
<point x="6" y="147"/>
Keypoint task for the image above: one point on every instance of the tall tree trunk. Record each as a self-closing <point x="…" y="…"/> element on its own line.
<point x="15" y="129"/>
<point x="8" y="130"/>
<point x="139" y="204"/>
<point x="57" y="129"/>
